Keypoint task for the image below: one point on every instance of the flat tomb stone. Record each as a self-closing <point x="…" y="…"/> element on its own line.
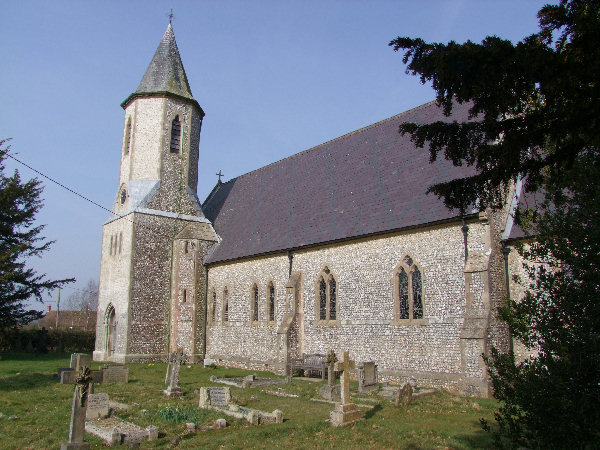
<point x="344" y="415"/>
<point x="115" y="431"/>
<point x="98" y="405"/>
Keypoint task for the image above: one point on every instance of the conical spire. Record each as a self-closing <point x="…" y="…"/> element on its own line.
<point x="165" y="73"/>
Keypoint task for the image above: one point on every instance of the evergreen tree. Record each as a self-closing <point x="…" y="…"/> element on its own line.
<point x="19" y="240"/>
<point x="535" y="112"/>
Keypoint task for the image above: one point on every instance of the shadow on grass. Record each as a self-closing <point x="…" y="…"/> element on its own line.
<point x="477" y="439"/>
<point x="24" y="381"/>
<point x="371" y="412"/>
<point x="22" y="356"/>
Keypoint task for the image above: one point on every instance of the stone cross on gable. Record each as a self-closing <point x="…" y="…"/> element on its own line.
<point x="345" y="365"/>
<point x="219" y="175"/>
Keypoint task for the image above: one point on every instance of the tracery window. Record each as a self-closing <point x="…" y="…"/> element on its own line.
<point x="271" y="302"/>
<point x="225" y="315"/>
<point x="254" y="303"/>
<point x="175" y="135"/>
<point x="326" y="296"/>
<point x="408" y="291"/>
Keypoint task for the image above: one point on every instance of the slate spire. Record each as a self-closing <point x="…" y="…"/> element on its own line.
<point x="165" y="73"/>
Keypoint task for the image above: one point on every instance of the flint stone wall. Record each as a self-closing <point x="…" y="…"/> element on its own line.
<point x="427" y="350"/>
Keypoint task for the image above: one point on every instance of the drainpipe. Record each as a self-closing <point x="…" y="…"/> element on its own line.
<point x="465" y="230"/>
<point x="291" y="258"/>
<point x="205" y="311"/>
<point x="505" y="252"/>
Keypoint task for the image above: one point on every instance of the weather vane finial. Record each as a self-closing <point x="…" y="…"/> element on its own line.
<point x="171" y="16"/>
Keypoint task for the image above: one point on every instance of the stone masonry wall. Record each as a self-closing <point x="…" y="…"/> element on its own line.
<point x="115" y="271"/>
<point x="428" y="350"/>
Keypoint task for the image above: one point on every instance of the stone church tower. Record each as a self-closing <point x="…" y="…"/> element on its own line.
<point x="152" y="281"/>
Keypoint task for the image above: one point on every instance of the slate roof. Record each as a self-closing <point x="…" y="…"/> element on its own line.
<point x="165" y="73"/>
<point x="367" y="182"/>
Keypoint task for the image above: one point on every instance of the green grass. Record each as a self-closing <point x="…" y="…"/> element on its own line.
<point x="29" y="390"/>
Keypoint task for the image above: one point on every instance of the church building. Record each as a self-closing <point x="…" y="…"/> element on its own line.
<point x="338" y="247"/>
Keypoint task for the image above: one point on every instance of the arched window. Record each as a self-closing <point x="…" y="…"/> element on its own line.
<point x="271" y="302"/>
<point x="175" y="135"/>
<point x="127" y="141"/>
<point x="408" y="291"/>
<point x="326" y="296"/>
<point x="225" y="315"/>
<point x="213" y="312"/>
<point x="254" y="304"/>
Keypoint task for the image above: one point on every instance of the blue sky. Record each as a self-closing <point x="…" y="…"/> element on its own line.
<point x="274" y="78"/>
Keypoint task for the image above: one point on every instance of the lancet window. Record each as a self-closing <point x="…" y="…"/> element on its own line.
<point x="225" y="315"/>
<point x="175" y="135"/>
<point x="271" y="302"/>
<point x="254" y="303"/>
<point x="327" y="305"/>
<point x="408" y="291"/>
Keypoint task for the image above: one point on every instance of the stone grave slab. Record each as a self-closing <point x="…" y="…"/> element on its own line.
<point x="248" y="381"/>
<point x="115" y="431"/>
<point x="98" y="406"/>
<point x="219" y="399"/>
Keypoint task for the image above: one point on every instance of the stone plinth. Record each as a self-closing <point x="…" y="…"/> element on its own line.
<point x="344" y="415"/>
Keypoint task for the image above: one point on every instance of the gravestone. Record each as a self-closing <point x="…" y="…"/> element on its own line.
<point x="66" y="376"/>
<point x="172" y="377"/>
<point x="97" y="407"/>
<point x="79" y="360"/>
<point x="115" y="373"/>
<point x="78" y="412"/>
<point x="367" y="375"/>
<point x="345" y="413"/>
<point x="404" y="395"/>
<point x="331" y="360"/>
<point x="215" y="396"/>
<point x="331" y="391"/>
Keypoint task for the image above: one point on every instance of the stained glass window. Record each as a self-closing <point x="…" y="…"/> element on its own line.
<point x="323" y="300"/>
<point x="255" y="303"/>
<point x="332" y="298"/>
<point x="417" y="291"/>
<point x="175" y="135"/>
<point x="403" y="293"/>
<point x="271" y="302"/>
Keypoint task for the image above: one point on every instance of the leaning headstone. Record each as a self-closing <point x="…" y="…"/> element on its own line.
<point x="367" y="376"/>
<point x="172" y="379"/>
<point x="345" y="413"/>
<point x="78" y="412"/>
<point x="404" y="395"/>
<point x="97" y="406"/>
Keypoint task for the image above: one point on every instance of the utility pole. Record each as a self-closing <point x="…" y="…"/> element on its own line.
<point x="58" y="307"/>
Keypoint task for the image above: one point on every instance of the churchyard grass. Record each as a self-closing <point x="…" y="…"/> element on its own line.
<point x="29" y="391"/>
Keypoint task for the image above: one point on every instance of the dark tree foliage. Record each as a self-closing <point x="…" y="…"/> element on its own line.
<point x="524" y="96"/>
<point x="19" y="240"/>
<point x="535" y="111"/>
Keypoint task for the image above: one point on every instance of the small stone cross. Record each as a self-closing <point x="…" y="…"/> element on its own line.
<point x="78" y="411"/>
<point x="331" y="360"/>
<point x="172" y="378"/>
<point x="219" y="175"/>
<point x="345" y="365"/>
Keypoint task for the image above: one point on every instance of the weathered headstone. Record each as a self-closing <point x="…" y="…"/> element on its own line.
<point x="367" y="375"/>
<point x="78" y="412"/>
<point x="345" y="413"/>
<point x="404" y="395"/>
<point x="97" y="406"/>
<point x="78" y="360"/>
<point x="172" y="378"/>
<point x="115" y="373"/>
<point x="215" y="396"/>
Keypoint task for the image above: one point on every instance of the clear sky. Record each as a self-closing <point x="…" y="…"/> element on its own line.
<point x="274" y="78"/>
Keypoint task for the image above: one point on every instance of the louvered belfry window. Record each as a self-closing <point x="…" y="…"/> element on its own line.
<point x="175" y="135"/>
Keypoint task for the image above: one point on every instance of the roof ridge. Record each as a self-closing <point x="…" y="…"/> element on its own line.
<point x="360" y="130"/>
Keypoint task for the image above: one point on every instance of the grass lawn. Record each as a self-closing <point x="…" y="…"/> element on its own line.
<point x="30" y="391"/>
